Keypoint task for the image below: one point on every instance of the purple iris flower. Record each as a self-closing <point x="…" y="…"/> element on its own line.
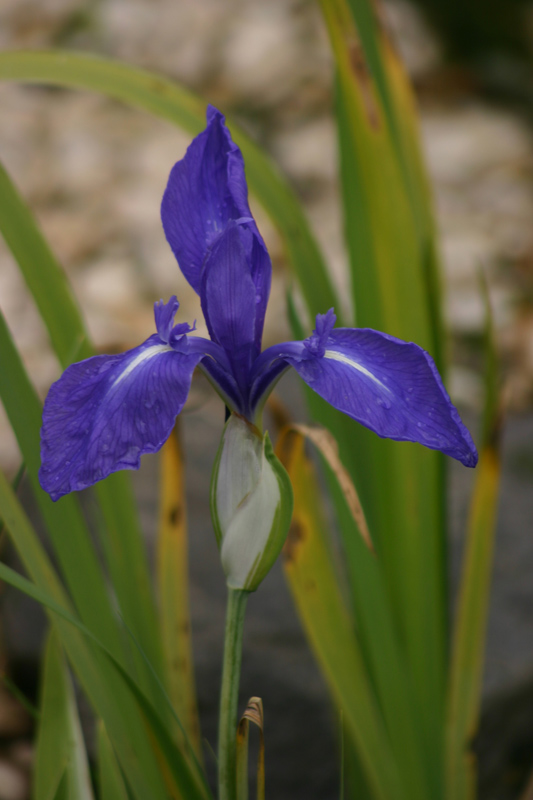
<point x="105" y="412"/>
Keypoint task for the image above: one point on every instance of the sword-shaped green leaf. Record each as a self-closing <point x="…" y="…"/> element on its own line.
<point x="401" y="485"/>
<point x="110" y="781"/>
<point x="45" y="278"/>
<point x="60" y="753"/>
<point x="137" y="727"/>
<point x="122" y="538"/>
<point x="64" y="520"/>
<point x="466" y="669"/>
<point x="315" y="588"/>
<point x="104" y="688"/>
<point x="376" y="634"/>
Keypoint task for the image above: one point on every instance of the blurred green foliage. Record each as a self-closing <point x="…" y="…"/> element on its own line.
<point x="410" y="705"/>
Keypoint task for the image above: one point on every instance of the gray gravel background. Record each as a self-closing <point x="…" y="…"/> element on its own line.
<point x="94" y="172"/>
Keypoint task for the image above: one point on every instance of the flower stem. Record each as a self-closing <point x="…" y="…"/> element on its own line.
<point x="229" y="693"/>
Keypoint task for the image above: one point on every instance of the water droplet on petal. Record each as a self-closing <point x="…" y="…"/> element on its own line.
<point x="381" y="401"/>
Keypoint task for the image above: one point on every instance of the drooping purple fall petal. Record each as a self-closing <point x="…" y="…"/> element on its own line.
<point x="103" y="413"/>
<point x="390" y="386"/>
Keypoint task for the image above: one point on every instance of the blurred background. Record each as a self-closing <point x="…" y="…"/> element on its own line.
<point x="94" y="172"/>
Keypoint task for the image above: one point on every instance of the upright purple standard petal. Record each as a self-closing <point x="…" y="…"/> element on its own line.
<point x="228" y="300"/>
<point x="261" y="269"/>
<point x="206" y="191"/>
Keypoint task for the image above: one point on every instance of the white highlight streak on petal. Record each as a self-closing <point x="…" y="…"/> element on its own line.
<point x="150" y="352"/>
<point x="336" y="356"/>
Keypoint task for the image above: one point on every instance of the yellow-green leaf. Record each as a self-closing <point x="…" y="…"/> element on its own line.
<point x="111" y="690"/>
<point x="122" y="537"/>
<point x="468" y="646"/>
<point x="60" y="753"/>
<point x="110" y="781"/>
<point x="391" y="247"/>
<point x="173" y="588"/>
<point x="314" y="585"/>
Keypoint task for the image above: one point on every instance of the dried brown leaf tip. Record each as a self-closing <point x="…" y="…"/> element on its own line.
<point x="326" y="443"/>
<point x="384" y="27"/>
<point x="254" y="712"/>
<point x="296" y="535"/>
<point x="364" y="80"/>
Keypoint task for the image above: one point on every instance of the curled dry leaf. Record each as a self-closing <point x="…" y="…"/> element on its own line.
<point x="253" y="713"/>
<point x="325" y="442"/>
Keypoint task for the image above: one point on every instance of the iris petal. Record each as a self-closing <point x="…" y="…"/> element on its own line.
<point x="391" y="387"/>
<point x="205" y="190"/>
<point x="228" y="299"/>
<point x="103" y="413"/>
<point x="261" y="276"/>
<point x="164" y="314"/>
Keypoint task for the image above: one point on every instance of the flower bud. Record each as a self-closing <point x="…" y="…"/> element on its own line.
<point x="251" y="504"/>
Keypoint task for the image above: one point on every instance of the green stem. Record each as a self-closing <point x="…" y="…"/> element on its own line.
<point x="229" y="694"/>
